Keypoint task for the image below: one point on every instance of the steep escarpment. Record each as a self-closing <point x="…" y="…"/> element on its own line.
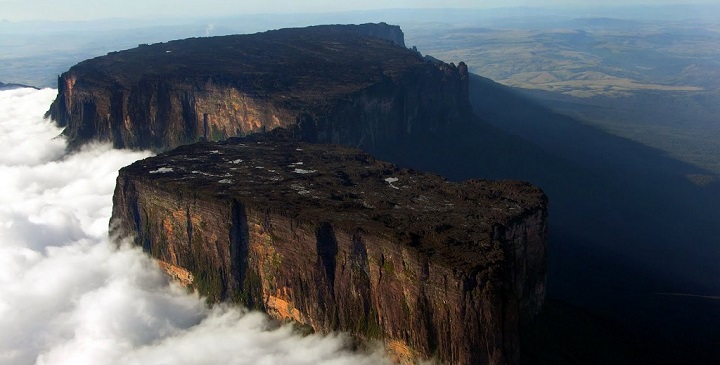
<point x="330" y="237"/>
<point x="355" y="85"/>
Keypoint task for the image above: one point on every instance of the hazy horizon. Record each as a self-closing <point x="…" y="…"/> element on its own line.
<point x="85" y="10"/>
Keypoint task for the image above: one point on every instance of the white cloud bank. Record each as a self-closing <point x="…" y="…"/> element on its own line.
<point x="68" y="296"/>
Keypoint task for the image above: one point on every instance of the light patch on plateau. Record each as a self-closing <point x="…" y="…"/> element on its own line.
<point x="390" y="181"/>
<point x="162" y="170"/>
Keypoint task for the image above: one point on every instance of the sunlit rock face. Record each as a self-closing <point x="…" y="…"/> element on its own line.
<point x="355" y="85"/>
<point x="334" y="239"/>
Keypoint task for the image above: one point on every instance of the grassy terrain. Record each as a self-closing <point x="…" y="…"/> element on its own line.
<point x="686" y="126"/>
<point x="583" y="57"/>
<point x="657" y="83"/>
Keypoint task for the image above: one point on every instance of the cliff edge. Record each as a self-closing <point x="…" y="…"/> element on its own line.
<point x="355" y="85"/>
<point x="334" y="239"/>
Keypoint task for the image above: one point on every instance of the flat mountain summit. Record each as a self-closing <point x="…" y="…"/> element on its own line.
<point x="330" y="237"/>
<point x="318" y="78"/>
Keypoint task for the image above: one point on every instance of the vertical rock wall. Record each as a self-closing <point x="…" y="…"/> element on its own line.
<point x="160" y="113"/>
<point x="424" y="301"/>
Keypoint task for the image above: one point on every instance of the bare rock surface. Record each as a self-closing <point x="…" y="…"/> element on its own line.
<point x="334" y="239"/>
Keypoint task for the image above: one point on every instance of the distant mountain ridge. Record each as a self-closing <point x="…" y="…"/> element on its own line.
<point x="10" y="86"/>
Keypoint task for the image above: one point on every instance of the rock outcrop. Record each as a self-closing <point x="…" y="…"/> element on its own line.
<point x="354" y="85"/>
<point x="331" y="238"/>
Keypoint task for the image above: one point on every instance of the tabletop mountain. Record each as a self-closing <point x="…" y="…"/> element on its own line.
<point x="355" y="85"/>
<point x="330" y="237"/>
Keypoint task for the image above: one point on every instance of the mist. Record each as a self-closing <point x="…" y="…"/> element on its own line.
<point x="68" y="295"/>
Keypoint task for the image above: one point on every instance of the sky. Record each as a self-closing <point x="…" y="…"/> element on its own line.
<point x="69" y="295"/>
<point x="18" y="10"/>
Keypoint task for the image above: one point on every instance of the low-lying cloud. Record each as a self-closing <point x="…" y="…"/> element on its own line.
<point x="69" y="296"/>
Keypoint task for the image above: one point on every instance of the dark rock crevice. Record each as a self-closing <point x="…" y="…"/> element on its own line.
<point x="327" y="251"/>
<point x="239" y="247"/>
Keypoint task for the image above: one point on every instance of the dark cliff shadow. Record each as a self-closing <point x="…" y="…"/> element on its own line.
<point x="628" y="230"/>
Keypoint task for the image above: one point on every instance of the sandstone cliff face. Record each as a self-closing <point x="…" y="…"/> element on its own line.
<point x="355" y="85"/>
<point x="331" y="238"/>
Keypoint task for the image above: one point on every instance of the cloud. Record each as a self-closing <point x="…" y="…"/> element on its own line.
<point x="209" y="29"/>
<point x="69" y="296"/>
